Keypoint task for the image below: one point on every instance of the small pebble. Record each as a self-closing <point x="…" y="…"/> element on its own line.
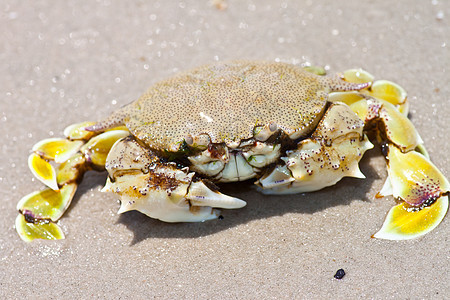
<point x="339" y="274"/>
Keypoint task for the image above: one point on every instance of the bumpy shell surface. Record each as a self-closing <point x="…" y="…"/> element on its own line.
<point x="225" y="101"/>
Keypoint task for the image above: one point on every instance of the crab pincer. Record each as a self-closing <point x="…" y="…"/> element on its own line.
<point x="160" y="189"/>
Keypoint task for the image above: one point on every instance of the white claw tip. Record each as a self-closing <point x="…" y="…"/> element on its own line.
<point x="201" y="195"/>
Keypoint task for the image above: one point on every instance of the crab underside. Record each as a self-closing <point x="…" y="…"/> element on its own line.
<point x="293" y="130"/>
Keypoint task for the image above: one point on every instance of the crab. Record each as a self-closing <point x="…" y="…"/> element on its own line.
<point x="292" y="129"/>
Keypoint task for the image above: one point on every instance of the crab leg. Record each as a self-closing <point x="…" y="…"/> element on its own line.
<point x="159" y="189"/>
<point x="79" y="152"/>
<point x="412" y="178"/>
<point x="331" y="153"/>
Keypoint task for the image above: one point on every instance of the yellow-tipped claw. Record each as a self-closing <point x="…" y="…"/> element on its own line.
<point x="98" y="147"/>
<point x="38" y="230"/>
<point x="380" y="89"/>
<point x="402" y="223"/>
<point x="43" y="171"/>
<point x="47" y="204"/>
<point x="78" y="131"/>
<point x="57" y="149"/>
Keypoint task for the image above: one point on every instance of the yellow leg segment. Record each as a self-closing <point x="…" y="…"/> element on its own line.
<point x="80" y="151"/>
<point x="412" y="178"/>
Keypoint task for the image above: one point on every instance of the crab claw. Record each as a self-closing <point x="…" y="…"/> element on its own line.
<point x="160" y="194"/>
<point x="158" y="189"/>
<point x="424" y="190"/>
<point x="200" y="195"/>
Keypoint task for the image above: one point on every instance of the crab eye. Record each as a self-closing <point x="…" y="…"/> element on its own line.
<point x="273" y="127"/>
<point x="189" y="140"/>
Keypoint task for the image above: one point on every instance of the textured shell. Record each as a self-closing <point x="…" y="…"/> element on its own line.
<point x="226" y="101"/>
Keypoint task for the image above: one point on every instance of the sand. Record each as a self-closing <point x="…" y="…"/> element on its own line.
<point x="68" y="61"/>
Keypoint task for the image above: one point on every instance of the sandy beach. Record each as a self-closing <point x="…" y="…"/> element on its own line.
<point x="64" y="62"/>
